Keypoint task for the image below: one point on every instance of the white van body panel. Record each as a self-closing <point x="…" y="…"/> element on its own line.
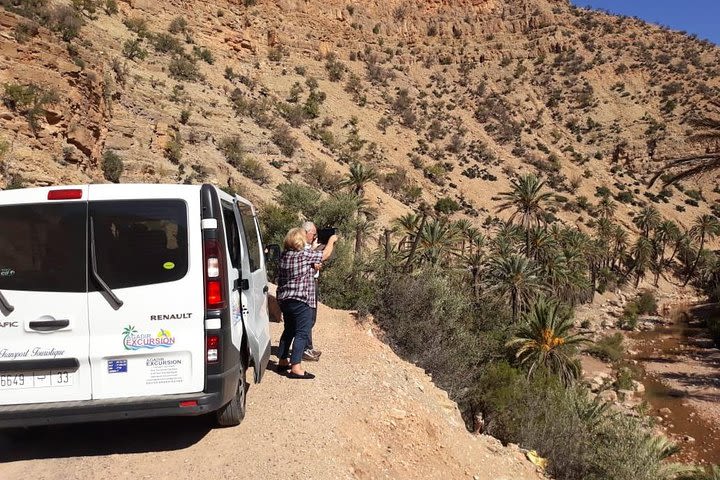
<point x="124" y="362"/>
<point x="255" y="307"/>
<point x="21" y="335"/>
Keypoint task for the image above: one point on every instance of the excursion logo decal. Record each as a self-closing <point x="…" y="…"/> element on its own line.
<point x="132" y="340"/>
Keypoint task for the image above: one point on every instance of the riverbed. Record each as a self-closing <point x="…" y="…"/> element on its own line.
<point x="680" y="369"/>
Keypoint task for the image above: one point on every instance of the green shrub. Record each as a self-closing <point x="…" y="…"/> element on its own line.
<point x="580" y="438"/>
<point x="275" y="222"/>
<point x="335" y="68"/>
<point x="112" y="166"/>
<point x="132" y="49"/>
<point x="185" y="116"/>
<point x="137" y="25"/>
<point x="23" y="31"/>
<point x="609" y="348"/>
<point x="299" y="198"/>
<point x="446" y="205"/>
<point x="624" y="379"/>
<point x="233" y="149"/>
<point x="174" y="148"/>
<point x="184" y="68"/>
<point x="204" y="54"/>
<point x="253" y="169"/>
<point x="66" y="21"/>
<point x="29" y="100"/>
<point x="275" y="54"/>
<point x="284" y="140"/>
<point x="166" y="43"/>
<point x="646" y="303"/>
<point x="178" y="25"/>
<point x="629" y="318"/>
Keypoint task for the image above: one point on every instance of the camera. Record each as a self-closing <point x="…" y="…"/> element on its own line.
<point x="324" y="234"/>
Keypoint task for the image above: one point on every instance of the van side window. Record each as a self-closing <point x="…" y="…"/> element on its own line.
<point x="251" y="234"/>
<point x="232" y="234"/>
<point x="43" y="247"/>
<point x="140" y="242"/>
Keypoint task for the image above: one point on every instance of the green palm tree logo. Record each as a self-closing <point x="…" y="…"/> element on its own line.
<point x="128" y="332"/>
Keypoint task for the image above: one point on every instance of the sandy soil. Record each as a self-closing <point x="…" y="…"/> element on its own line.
<point x="367" y="415"/>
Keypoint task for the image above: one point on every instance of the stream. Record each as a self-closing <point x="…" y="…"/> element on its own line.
<point x="685" y="379"/>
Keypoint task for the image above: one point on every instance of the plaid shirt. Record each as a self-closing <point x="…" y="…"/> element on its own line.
<point x="296" y="279"/>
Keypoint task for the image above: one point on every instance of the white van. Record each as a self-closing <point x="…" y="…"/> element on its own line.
<point x="129" y="301"/>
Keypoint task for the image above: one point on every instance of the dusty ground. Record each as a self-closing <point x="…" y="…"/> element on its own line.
<point x="367" y="415"/>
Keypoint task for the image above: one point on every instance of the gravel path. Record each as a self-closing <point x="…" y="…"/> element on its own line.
<point x="367" y="415"/>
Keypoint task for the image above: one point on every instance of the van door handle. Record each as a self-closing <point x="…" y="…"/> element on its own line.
<point x="48" y="325"/>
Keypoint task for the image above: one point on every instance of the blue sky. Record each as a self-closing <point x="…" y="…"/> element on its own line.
<point x="701" y="17"/>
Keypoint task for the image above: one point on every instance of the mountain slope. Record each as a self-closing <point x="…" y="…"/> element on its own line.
<point x="450" y="99"/>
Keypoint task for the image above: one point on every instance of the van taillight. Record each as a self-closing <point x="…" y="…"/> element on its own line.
<point x="65" y="194"/>
<point x="214" y="281"/>
<point x="212" y="347"/>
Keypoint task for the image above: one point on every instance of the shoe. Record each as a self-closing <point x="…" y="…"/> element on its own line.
<point x="304" y="376"/>
<point x="310" y="356"/>
<point x="282" y="369"/>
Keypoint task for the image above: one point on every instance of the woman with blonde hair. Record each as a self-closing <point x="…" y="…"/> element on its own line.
<point x="297" y="295"/>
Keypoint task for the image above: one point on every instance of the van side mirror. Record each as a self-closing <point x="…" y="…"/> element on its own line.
<point x="272" y="253"/>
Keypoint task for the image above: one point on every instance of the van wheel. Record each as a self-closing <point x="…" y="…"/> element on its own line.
<point x="233" y="412"/>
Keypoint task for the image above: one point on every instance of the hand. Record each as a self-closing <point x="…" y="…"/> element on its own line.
<point x="318" y="266"/>
<point x="333" y="239"/>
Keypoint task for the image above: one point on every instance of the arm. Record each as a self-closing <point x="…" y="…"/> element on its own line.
<point x="329" y="248"/>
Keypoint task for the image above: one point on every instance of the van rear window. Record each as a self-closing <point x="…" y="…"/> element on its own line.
<point x="42" y="247"/>
<point x="140" y="242"/>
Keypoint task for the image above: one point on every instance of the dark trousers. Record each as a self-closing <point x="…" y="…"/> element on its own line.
<point x="310" y="341"/>
<point x="298" y="318"/>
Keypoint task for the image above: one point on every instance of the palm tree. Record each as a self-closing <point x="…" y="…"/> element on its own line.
<point x="358" y="177"/>
<point x="647" y="220"/>
<point x="606" y="207"/>
<point x="705" y="227"/>
<point x="544" y="341"/>
<point x="437" y="239"/>
<point x="665" y="233"/>
<point x="641" y="257"/>
<point x="708" y="133"/>
<point x="620" y="242"/>
<point x="462" y="227"/>
<point x="527" y="200"/>
<point x="364" y="226"/>
<point x="515" y="277"/>
<point x="660" y="450"/>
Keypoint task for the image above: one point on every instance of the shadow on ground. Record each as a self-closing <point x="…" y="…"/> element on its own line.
<point x="106" y="438"/>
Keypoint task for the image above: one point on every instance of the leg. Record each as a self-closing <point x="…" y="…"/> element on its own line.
<point x="310" y="339"/>
<point x="303" y="325"/>
<point x="288" y="332"/>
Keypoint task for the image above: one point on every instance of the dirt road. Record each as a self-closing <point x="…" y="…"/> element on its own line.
<point x="367" y="415"/>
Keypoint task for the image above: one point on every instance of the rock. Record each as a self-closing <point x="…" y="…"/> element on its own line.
<point x="688" y="439"/>
<point x="638" y="387"/>
<point x="609" y="396"/>
<point x="625" y="395"/>
<point x="665" y="411"/>
<point x="82" y="138"/>
<point x="398" y="414"/>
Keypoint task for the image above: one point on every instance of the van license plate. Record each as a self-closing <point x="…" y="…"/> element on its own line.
<point x="21" y="380"/>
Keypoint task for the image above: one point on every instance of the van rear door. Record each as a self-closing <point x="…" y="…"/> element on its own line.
<point x="43" y="296"/>
<point x="145" y="297"/>
<point x="253" y="268"/>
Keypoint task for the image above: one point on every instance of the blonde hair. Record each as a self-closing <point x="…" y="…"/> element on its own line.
<point x="295" y="239"/>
